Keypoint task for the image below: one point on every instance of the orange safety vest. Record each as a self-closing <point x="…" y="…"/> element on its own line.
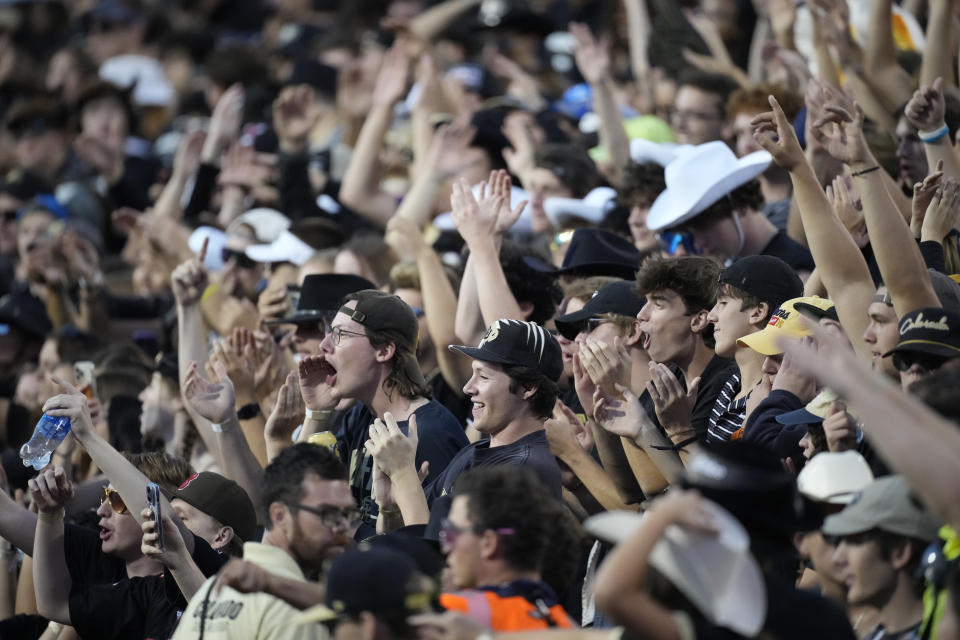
<point x="506" y="613"/>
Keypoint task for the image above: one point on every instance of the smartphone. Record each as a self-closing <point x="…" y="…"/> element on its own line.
<point x="83" y="372"/>
<point x="153" y="499"/>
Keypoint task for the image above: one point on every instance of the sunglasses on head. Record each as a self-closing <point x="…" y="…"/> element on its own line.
<point x="902" y="361"/>
<point x="241" y="258"/>
<point x="116" y="502"/>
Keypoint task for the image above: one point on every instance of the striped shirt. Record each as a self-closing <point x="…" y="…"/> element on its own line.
<point x="728" y="412"/>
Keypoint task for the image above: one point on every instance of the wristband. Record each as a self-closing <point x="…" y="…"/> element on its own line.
<point x="226" y="425"/>
<point x="209" y="291"/>
<point x="323" y="416"/>
<point x="248" y="411"/>
<point x="857" y="174"/>
<point x="50" y="518"/>
<point x="935" y="136"/>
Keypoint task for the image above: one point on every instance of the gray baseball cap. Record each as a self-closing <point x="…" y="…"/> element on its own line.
<point x="886" y="504"/>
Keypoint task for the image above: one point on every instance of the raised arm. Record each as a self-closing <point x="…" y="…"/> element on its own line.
<point x="214" y="402"/>
<point x="395" y="455"/>
<point x="925" y="111"/>
<point x="840" y="264"/>
<point x="901" y="265"/>
<point x="288" y="413"/>
<point x="51" y="490"/>
<point x="477" y="222"/>
<point x="189" y="282"/>
<point x="360" y="187"/>
<point x="128" y="480"/>
<point x="937" y="50"/>
<point x="173" y="554"/>
<point x="439" y="298"/>
<point x="890" y="80"/>
<point x="593" y="61"/>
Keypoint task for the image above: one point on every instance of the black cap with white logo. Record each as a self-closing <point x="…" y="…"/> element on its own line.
<point x="933" y="330"/>
<point x="621" y="298"/>
<point x="517" y="343"/>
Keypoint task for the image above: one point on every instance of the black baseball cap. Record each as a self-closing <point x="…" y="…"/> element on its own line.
<point x="933" y="331"/>
<point x="320" y="296"/>
<point x="222" y="499"/>
<point x="594" y="252"/>
<point x="22" y="310"/>
<point x="387" y="314"/>
<point x="621" y="298"/>
<point x="376" y="579"/>
<point x="518" y="343"/>
<point x="765" y="277"/>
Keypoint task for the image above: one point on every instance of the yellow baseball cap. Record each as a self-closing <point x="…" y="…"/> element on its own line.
<point x="785" y="322"/>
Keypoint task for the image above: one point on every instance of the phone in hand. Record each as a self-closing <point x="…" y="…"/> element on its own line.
<point x="83" y="372"/>
<point x="153" y="500"/>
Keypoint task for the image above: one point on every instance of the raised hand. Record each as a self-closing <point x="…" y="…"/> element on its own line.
<point x="475" y="219"/>
<point x="237" y="355"/>
<point x="287" y="412"/>
<point x="72" y="404"/>
<point x="584" y="385"/>
<point x="391" y="83"/>
<point x="687" y="509"/>
<point x="273" y="303"/>
<point x="926" y="108"/>
<point x="51" y="490"/>
<point x="405" y="238"/>
<point x="243" y="576"/>
<point x="673" y="404"/>
<point x="849" y="208"/>
<point x="224" y="124"/>
<point x="519" y="156"/>
<point x="190" y="279"/>
<point x="775" y="134"/>
<point x="501" y="187"/>
<point x="295" y="114"/>
<point x="212" y="400"/>
<point x="942" y="214"/>
<point x="840" y="133"/>
<point x="314" y="386"/>
<point x="593" y="58"/>
<point x="186" y="161"/>
<point x="392" y="451"/>
<point x="923" y="193"/>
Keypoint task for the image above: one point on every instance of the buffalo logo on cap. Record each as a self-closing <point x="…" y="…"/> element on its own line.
<point x="491" y="335"/>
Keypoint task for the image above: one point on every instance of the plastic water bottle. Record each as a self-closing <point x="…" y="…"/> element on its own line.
<point x="49" y="433"/>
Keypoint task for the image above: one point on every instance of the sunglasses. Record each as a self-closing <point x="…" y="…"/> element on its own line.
<point x="673" y="241"/>
<point x="241" y="258"/>
<point x="418" y="312"/>
<point x="10" y="215"/>
<point x="929" y="361"/>
<point x="116" y="502"/>
<point x="450" y="533"/>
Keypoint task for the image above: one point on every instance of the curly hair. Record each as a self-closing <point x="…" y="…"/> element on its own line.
<point x="756" y="99"/>
<point x="642" y="183"/>
<point x="693" y="278"/>
<point x="283" y="477"/>
<point x="514" y="502"/>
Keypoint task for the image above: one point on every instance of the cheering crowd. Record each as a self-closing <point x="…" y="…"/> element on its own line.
<point x="458" y="319"/>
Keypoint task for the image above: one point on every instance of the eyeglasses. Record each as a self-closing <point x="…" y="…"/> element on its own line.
<point x="418" y="312"/>
<point x="242" y="260"/>
<point x="449" y="532"/>
<point x="332" y="516"/>
<point x="339" y="332"/>
<point x="929" y="361"/>
<point x="116" y="502"/>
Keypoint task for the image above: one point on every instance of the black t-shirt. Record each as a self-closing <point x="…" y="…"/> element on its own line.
<point x="141" y="608"/>
<point x="86" y="563"/>
<point x="712" y="380"/>
<point x="531" y="451"/>
<point x="440" y="438"/>
<point x="456" y="403"/>
<point x="23" y="627"/>
<point x="790" y="251"/>
<point x="791" y="615"/>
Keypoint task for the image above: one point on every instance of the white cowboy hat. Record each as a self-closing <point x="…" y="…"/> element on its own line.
<point x="698" y="178"/>
<point x="717" y="573"/>
<point x="662" y="153"/>
<point x="592" y="208"/>
<point x="286" y="248"/>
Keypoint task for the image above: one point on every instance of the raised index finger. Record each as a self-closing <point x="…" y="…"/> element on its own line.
<point x="66" y="386"/>
<point x="203" y="250"/>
